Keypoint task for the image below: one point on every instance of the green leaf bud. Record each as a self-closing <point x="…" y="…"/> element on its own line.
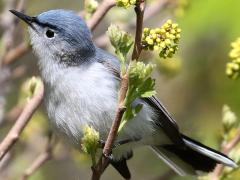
<point x="229" y="118"/>
<point x="122" y="42"/>
<point x="31" y="86"/>
<point x="90" y="142"/>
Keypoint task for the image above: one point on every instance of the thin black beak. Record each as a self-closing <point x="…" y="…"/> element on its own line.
<point x="27" y="19"/>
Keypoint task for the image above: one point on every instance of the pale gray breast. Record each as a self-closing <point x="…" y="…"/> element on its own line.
<point x="88" y="96"/>
<point x="81" y="96"/>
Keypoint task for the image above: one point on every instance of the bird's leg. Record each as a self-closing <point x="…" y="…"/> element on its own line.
<point x="101" y="145"/>
<point x="118" y="143"/>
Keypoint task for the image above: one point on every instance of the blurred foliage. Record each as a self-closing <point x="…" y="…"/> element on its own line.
<point x="126" y="3"/>
<point x="90" y="7"/>
<point x="231" y="125"/>
<point x="122" y="42"/>
<point x="169" y="67"/>
<point x="181" y="7"/>
<point x="229" y="119"/>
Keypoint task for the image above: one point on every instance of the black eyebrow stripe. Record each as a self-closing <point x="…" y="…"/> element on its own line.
<point x="44" y="24"/>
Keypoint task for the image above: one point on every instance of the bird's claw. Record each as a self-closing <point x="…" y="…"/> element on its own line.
<point x="109" y="157"/>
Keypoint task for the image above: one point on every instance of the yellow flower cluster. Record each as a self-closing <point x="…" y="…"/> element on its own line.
<point x="233" y="67"/>
<point x="164" y="39"/>
<point x="125" y="3"/>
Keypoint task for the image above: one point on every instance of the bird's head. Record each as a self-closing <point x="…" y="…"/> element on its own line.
<point x="59" y="34"/>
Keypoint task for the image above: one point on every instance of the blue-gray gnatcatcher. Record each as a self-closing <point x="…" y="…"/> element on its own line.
<point x="81" y="88"/>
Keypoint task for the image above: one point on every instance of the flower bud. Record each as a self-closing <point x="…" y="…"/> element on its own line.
<point x="233" y="67"/>
<point x="125" y="3"/>
<point x="229" y="118"/>
<point x="164" y="39"/>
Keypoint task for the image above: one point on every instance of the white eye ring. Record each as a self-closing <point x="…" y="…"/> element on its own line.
<point x="50" y="33"/>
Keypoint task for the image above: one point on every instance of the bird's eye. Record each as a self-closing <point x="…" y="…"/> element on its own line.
<point x="49" y="33"/>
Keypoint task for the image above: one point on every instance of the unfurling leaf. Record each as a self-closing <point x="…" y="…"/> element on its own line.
<point x="140" y="86"/>
<point x="122" y="42"/>
<point x="148" y="94"/>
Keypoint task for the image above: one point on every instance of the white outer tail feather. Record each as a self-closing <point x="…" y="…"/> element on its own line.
<point x="183" y="168"/>
<point x="218" y="157"/>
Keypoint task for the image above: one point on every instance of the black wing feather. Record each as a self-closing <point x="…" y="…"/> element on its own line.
<point x="164" y="120"/>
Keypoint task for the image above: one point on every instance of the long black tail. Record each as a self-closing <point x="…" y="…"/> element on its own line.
<point x="193" y="158"/>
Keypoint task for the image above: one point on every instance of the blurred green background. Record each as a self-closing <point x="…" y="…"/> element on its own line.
<point x="193" y="86"/>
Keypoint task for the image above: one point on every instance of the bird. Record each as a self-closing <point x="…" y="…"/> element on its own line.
<point x="81" y="83"/>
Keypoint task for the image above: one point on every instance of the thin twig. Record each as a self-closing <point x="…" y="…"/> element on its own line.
<point x="149" y="12"/>
<point x="124" y="81"/>
<point x="139" y="9"/>
<point x="101" y="11"/>
<point x="103" y="162"/>
<point x="226" y="150"/>
<point x="22" y="121"/>
<point x="16" y="53"/>
<point x="10" y="23"/>
<point x="40" y="160"/>
<point x="229" y="146"/>
<point x="18" y="72"/>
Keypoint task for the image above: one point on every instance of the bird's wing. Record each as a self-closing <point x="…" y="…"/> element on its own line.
<point x="164" y="120"/>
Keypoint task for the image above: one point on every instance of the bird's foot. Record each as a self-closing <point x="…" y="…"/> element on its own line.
<point x="118" y="143"/>
<point x="109" y="157"/>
